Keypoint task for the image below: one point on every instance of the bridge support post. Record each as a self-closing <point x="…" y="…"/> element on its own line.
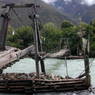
<point x="86" y="62"/>
<point x="4" y="29"/>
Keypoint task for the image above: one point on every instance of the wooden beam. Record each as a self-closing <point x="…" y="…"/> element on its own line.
<point x="13" y="5"/>
<point x="4" y="29"/>
<point x="61" y="53"/>
<point x="12" y="55"/>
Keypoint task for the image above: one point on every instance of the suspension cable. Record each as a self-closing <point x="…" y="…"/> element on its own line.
<point x="13" y="10"/>
<point x="19" y="19"/>
<point x="91" y="63"/>
<point x="5" y="2"/>
<point x="66" y="67"/>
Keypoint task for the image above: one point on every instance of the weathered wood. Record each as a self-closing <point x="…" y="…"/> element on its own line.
<point x="82" y="75"/>
<point x="42" y="66"/>
<point x="63" y="80"/>
<point x="37" y="41"/>
<point x="16" y="86"/>
<point x="21" y="82"/>
<point x="71" y="57"/>
<point x="87" y="69"/>
<point x="13" y="5"/>
<point x="13" y="55"/>
<point x="4" y="29"/>
<point x="6" y="52"/>
<point x="61" y="53"/>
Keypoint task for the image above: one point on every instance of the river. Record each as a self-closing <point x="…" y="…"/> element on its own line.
<point x="56" y="67"/>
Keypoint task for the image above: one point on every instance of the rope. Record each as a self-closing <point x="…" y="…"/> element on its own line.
<point x="86" y="68"/>
<point x="13" y="10"/>
<point x="19" y="19"/>
<point x="92" y="89"/>
<point x="87" y="51"/>
<point x="66" y="67"/>
<point x="5" y="2"/>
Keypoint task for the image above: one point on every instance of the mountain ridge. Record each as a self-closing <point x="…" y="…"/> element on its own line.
<point x="76" y="9"/>
<point x="47" y="13"/>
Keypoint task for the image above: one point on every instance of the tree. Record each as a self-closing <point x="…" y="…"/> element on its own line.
<point x="66" y="24"/>
<point x="22" y="37"/>
<point x="51" y="37"/>
<point x="73" y="39"/>
<point x="88" y="32"/>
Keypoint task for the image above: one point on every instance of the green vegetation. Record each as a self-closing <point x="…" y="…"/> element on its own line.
<point x="51" y="37"/>
<point x="54" y="38"/>
<point x="21" y="38"/>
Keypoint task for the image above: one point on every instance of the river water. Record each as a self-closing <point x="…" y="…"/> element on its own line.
<point x="56" y="67"/>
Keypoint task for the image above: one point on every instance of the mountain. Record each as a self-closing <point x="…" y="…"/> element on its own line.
<point x="47" y="13"/>
<point x="76" y="9"/>
<point x="89" y="14"/>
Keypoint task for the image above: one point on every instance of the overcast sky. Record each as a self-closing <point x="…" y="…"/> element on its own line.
<point x="49" y="1"/>
<point x="88" y="2"/>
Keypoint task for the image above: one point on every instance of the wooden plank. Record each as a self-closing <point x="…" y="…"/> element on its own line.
<point x="12" y="55"/>
<point x="63" y="80"/>
<point x="13" y="5"/>
<point x="59" y="54"/>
